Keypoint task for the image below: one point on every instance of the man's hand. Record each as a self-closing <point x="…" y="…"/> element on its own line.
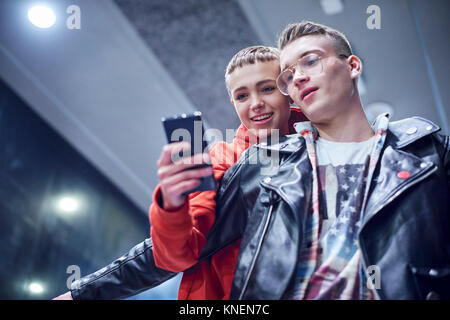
<point x="174" y="178"/>
<point x="64" y="296"/>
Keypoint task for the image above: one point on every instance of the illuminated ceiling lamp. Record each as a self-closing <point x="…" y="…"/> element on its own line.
<point x="41" y="16"/>
<point x="35" y="288"/>
<point x="68" y="204"/>
<point x="331" y="7"/>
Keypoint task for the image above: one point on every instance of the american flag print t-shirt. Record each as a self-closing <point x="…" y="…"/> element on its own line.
<point x="342" y="168"/>
<point x="329" y="263"/>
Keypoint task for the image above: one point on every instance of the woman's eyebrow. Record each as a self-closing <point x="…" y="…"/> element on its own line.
<point x="240" y="88"/>
<point x="264" y="81"/>
<point x="257" y="84"/>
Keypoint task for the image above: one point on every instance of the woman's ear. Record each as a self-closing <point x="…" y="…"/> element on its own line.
<point x="355" y="66"/>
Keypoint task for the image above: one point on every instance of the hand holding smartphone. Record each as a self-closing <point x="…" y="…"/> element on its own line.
<point x="189" y="128"/>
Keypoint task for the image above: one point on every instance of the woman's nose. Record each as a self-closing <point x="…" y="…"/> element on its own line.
<point x="257" y="103"/>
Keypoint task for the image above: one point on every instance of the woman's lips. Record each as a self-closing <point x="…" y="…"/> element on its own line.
<point x="264" y="118"/>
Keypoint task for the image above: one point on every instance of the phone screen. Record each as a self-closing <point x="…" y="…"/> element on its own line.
<point x="189" y="128"/>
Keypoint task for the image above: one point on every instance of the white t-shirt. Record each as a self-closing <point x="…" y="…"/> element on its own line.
<point x="342" y="169"/>
<point x="334" y="160"/>
<point x="341" y="153"/>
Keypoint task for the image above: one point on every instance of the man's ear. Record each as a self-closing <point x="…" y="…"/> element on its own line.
<point x="355" y="66"/>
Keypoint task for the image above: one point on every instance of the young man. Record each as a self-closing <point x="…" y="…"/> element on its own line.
<point x="179" y="222"/>
<point x="349" y="201"/>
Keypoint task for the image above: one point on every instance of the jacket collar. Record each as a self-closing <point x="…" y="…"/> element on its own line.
<point x="401" y="134"/>
<point x="409" y="130"/>
<point x="386" y="185"/>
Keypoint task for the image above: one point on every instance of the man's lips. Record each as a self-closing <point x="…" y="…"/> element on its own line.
<point x="262" y="118"/>
<point x="305" y="92"/>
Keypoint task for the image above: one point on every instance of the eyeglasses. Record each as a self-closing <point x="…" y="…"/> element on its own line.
<point x="309" y="65"/>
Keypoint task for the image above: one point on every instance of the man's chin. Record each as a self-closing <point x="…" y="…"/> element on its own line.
<point x="313" y="112"/>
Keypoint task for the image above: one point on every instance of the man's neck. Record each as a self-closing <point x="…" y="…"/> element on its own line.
<point x="351" y="126"/>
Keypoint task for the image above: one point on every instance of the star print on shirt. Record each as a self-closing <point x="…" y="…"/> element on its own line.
<point x="341" y="187"/>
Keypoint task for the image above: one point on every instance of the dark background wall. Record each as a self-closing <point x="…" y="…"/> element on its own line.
<point x="38" y="239"/>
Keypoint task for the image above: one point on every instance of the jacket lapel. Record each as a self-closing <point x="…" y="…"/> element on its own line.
<point x="293" y="182"/>
<point x="398" y="171"/>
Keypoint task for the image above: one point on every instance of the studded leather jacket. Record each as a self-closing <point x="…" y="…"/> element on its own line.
<point x="404" y="233"/>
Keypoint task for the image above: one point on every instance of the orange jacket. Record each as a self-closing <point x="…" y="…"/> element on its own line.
<point x="179" y="236"/>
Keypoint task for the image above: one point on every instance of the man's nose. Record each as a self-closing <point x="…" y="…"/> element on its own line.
<point x="299" y="78"/>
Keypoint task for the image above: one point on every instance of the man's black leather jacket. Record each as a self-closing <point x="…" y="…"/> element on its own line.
<point x="405" y="230"/>
<point x="129" y="275"/>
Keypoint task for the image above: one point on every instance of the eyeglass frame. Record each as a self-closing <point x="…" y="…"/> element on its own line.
<point x="301" y="71"/>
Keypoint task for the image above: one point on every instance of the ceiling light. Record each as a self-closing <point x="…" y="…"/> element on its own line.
<point x="41" y="17"/>
<point x="36" y="288"/>
<point x="68" y="204"/>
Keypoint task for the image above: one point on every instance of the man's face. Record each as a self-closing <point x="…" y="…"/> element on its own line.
<point x="325" y="95"/>
<point x="258" y="102"/>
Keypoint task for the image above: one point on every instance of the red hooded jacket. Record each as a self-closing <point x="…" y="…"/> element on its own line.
<point x="178" y="236"/>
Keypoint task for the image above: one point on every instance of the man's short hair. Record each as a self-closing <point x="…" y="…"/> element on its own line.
<point x="304" y="28"/>
<point x="250" y="55"/>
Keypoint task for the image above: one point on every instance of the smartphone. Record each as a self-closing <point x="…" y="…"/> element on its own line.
<point x="189" y="128"/>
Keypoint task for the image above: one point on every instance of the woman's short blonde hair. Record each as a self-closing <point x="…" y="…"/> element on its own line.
<point x="250" y="55"/>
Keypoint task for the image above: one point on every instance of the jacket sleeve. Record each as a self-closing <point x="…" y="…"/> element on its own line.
<point x="443" y="148"/>
<point x="130" y="274"/>
<point x="446" y="163"/>
<point x="447" y="160"/>
<point x="180" y="235"/>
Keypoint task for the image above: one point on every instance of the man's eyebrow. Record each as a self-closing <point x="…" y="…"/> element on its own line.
<point x="302" y="55"/>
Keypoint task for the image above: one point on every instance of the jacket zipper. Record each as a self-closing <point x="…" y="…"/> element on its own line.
<point x="258" y="249"/>
<point x="392" y="198"/>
